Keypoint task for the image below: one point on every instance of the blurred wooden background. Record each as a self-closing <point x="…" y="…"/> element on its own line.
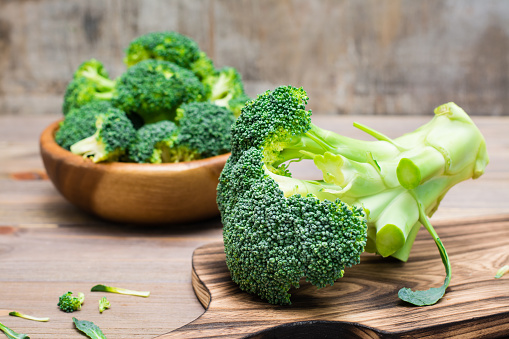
<point x="351" y="56"/>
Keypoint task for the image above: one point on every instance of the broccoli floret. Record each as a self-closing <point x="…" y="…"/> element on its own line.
<point x="103" y="304"/>
<point x="90" y="83"/>
<point x="152" y="142"/>
<point x="68" y="303"/>
<point x="169" y="46"/>
<point x="204" y="131"/>
<point x="173" y="47"/>
<point x="154" y="89"/>
<point x="113" y="135"/>
<point x="80" y="123"/>
<point x="278" y="228"/>
<point x="227" y="89"/>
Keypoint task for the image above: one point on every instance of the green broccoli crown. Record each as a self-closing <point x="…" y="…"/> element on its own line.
<point x="169" y="46"/>
<point x="154" y="89"/>
<point x="68" y="303"/>
<point x="90" y="83"/>
<point x="205" y="129"/>
<point x="271" y="241"/>
<point x="397" y="182"/>
<point x="80" y="123"/>
<point x="114" y="133"/>
<point x="151" y="142"/>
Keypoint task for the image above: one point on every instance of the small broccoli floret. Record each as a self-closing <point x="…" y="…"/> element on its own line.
<point x="270" y="219"/>
<point x="227" y="89"/>
<point x="152" y="142"/>
<point x="90" y="83"/>
<point x="103" y="304"/>
<point x="204" y="131"/>
<point x="68" y="303"/>
<point x="113" y="135"/>
<point x="80" y="123"/>
<point x="154" y="89"/>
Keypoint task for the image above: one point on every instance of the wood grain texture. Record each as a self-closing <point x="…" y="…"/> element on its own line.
<point x="135" y="193"/>
<point x="352" y="56"/>
<point x="48" y="246"/>
<point x="364" y="303"/>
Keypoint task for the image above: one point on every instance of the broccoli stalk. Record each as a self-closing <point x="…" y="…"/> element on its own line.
<point x="397" y="183"/>
<point x="119" y="290"/>
<point x="502" y="270"/>
<point x="28" y="317"/>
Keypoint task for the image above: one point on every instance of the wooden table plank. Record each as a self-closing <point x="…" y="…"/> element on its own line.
<point x="41" y="234"/>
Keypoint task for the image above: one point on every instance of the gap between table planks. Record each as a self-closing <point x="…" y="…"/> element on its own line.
<point x="364" y="303"/>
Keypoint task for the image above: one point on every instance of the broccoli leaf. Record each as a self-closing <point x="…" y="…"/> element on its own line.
<point x="11" y="334"/>
<point x="89" y="328"/>
<point x="434" y="294"/>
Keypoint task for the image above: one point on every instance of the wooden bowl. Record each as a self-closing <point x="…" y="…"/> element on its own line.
<point x="134" y="193"/>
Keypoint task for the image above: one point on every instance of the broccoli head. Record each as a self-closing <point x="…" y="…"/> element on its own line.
<point x="168" y="46"/>
<point x="114" y="133"/>
<point x="152" y="142"/>
<point x="80" y="123"/>
<point x="280" y="227"/>
<point x="154" y="89"/>
<point x="204" y="131"/>
<point x="90" y="83"/>
<point x="68" y="303"/>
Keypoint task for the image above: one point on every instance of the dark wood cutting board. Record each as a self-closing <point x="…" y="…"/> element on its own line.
<point x="364" y="303"/>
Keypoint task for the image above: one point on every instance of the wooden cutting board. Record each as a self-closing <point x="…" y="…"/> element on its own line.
<point x="364" y="303"/>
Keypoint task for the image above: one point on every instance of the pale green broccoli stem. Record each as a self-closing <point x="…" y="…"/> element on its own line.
<point x="119" y="290"/>
<point x="91" y="146"/>
<point x="503" y="270"/>
<point x="432" y="295"/>
<point x="104" y="84"/>
<point x="28" y="317"/>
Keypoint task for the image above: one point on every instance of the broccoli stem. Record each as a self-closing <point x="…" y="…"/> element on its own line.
<point x="90" y="146"/>
<point x="432" y="295"/>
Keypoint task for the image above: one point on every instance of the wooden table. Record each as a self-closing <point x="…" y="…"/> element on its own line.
<point x="48" y="247"/>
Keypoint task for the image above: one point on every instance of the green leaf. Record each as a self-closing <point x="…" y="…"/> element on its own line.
<point x="434" y="294"/>
<point x="11" y="334"/>
<point x="104" y="288"/>
<point x="503" y="270"/>
<point x="89" y="328"/>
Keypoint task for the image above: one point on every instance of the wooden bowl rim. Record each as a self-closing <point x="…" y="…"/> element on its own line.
<point x="49" y="145"/>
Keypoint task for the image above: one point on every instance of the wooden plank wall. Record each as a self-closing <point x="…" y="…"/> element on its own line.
<point x="352" y="56"/>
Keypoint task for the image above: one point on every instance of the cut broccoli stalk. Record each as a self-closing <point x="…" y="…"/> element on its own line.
<point x="28" y="317"/>
<point x="110" y="289"/>
<point x="503" y="270"/>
